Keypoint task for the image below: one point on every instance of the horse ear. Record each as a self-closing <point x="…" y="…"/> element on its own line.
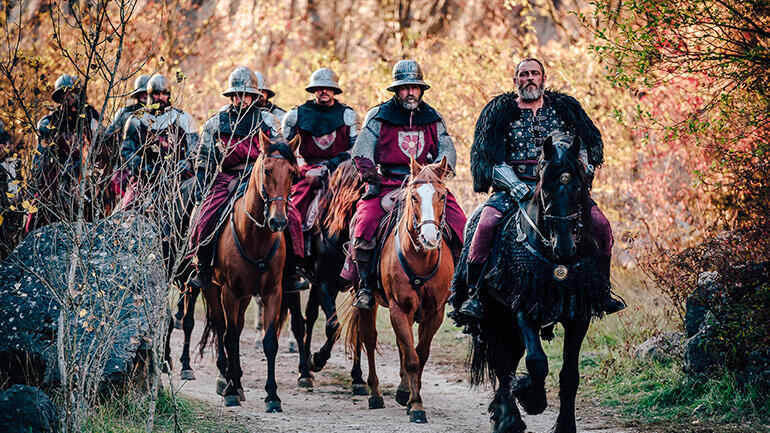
<point x="574" y="147"/>
<point x="548" y="148"/>
<point x="414" y="166"/>
<point x="294" y="143"/>
<point x="442" y="169"/>
<point x="264" y="141"/>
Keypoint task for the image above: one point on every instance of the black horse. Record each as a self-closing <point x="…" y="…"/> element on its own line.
<point x="543" y="271"/>
<point x="327" y="258"/>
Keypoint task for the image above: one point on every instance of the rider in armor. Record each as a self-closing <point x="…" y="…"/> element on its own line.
<point x="62" y="135"/>
<point x="327" y="130"/>
<point x="506" y="147"/>
<point x="120" y="176"/>
<point x="229" y="147"/>
<point x="267" y="94"/>
<point x="393" y="132"/>
<point x="157" y="132"/>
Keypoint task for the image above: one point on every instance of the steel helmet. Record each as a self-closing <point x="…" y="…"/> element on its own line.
<point x="407" y="72"/>
<point x="64" y="83"/>
<point x="242" y="80"/>
<point x="140" y="85"/>
<point x="323" y="77"/>
<point x="261" y="85"/>
<point x="158" y="83"/>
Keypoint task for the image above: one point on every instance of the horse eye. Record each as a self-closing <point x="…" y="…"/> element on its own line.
<point x="268" y="172"/>
<point x="414" y="199"/>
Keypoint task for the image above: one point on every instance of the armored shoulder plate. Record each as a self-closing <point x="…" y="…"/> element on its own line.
<point x="45" y="127"/>
<point x="350" y="117"/>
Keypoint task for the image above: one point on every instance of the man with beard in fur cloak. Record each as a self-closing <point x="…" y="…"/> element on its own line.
<point x="511" y="130"/>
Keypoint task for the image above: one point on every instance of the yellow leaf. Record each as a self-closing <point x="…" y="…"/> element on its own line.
<point x="83" y="312"/>
<point x="1" y="220"/>
<point x="13" y="207"/>
<point x="25" y="204"/>
<point x="9" y="194"/>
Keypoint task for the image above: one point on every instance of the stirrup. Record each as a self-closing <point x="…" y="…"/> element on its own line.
<point x="363" y="300"/>
<point x="472" y="307"/>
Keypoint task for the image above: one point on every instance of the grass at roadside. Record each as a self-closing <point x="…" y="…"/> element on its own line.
<point x="127" y="415"/>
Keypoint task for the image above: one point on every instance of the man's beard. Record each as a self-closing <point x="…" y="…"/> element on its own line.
<point x="529" y="94"/>
<point x="410" y="103"/>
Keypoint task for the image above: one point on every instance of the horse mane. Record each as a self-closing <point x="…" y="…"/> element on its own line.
<point x="284" y="150"/>
<point x="339" y="202"/>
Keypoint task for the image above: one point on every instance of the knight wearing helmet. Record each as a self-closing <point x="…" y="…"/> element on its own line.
<point x="114" y="135"/>
<point x="267" y="94"/>
<point x="402" y="128"/>
<point x="327" y="130"/>
<point x="63" y="135"/>
<point x="229" y="147"/>
<point x="158" y="134"/>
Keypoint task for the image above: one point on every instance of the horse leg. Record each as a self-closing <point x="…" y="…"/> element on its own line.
<point x="569" y="377"/>
<point x="425" y="332"/>
<point x="402" y="392"/>
<point x="179" y="315"/>
<point x="234" y="310"/>
<point x="402" y="326"/>
<point x="530" y="389"/>
<point x="298" y="329"/>
<point x="328" y="303"/>
<point x="358" y="384"/>
<point x="188" y="322"/>
<point x="258" y="322"/>
<point x="368" y="331"/>
<point x="271" y="305"/>
<point x="311" y="315"/>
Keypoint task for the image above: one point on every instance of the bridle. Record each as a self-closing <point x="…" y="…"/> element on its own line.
<point x="575" y="219"/>
<point x="417" y="225"/>
<point x="265" y="198"/>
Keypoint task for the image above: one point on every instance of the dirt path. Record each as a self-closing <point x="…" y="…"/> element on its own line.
<point x="330" y="407"/>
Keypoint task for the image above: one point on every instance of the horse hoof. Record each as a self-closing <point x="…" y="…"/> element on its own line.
<point x="315" y="364"/>
<point x="221" y="385"/>
<point x="531" y="398"/>
<point x="305" y="382"/>
<point x="177" y="323"/>
<point x="360" y="389"/>
<point x="273" y="407"/>
<point x="376" y="403"/>
<point x="232" y="401"/>
<point x="417" y="416"/>
<point x="402" y="397"/>
<point x="187" y="375"/>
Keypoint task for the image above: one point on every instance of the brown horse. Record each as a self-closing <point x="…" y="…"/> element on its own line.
<point x="249" y="260"/>
<point x="416" y="272"/>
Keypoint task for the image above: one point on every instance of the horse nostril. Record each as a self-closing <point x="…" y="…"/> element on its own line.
<point x="276" y="225"/>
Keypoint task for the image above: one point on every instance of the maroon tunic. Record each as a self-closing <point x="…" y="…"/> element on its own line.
<point x="395" y="146"/>
<point x="314" y="150"/>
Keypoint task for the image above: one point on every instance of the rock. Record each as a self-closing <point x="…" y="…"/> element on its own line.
<point x="664" y="347"/>
<point x="26" y="409"/>
<point x="702" y="356"/>
<point x="117" y="302"/>
<point x="699" y="300"/>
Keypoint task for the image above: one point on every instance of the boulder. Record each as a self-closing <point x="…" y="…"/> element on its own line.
<point x="663" y="347"/>
<point x="702" y="354"/>
<point x="26" y="409"/>
<point x="113" y="311"/>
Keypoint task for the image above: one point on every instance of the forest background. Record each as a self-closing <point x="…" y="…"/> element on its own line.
<point x="679" y="90"/>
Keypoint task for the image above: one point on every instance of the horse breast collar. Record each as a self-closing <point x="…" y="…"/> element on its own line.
<point x="260" y="264"/>
<point x="415" y="280"/>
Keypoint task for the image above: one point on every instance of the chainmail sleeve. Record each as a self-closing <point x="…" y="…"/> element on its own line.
<point x="446" y="146"/>
<point x="363" y="150"/>
<point x="130" y="150"/>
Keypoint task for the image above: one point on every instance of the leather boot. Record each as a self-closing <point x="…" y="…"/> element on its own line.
<point x="472" y="306"/>
<point x="364" y="295"/>
<point x="292" y="280"/>
<point x="611" y="305"/>
<point x="203" y="269"/>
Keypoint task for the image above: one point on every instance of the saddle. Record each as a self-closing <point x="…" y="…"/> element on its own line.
<point x="523" y="279"/>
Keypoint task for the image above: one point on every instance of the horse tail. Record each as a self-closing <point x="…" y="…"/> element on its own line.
<point x="346" y="188"/>
<point x="479" y="358"/>
<point x="351" y="322"/>
<point x="204" y="341"/>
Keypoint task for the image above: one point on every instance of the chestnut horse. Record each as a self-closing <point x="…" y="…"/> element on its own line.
<point x="249" y="260"/>
<point x="415" y="269"/>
